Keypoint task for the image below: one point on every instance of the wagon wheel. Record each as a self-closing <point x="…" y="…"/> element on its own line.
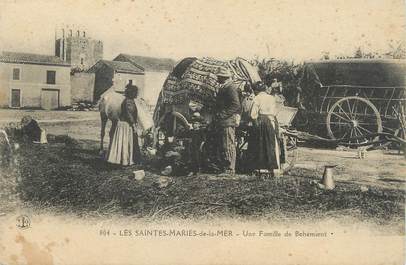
<point x="353" y="117"/>
<point x="177" y="123"/>
<point x="290" y="150"/>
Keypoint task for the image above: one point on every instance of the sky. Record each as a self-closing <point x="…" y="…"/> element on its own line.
<point x="224" y="29"/>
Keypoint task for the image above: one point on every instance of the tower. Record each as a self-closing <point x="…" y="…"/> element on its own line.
<point x="75" y="47"/>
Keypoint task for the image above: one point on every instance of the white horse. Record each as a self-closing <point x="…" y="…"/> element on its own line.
<point x="110" y="109"/>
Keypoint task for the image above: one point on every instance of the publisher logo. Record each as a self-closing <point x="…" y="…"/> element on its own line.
<point x="23" y="222"/>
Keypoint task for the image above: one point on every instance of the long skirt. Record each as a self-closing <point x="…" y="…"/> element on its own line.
<point x="263" y="144"/>
<point x="122" y="145"/>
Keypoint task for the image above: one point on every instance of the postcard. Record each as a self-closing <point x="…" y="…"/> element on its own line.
<point x="202" y="132"/>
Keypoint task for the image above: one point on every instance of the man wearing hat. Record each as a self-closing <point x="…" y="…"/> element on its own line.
<point x="228" y="109"/>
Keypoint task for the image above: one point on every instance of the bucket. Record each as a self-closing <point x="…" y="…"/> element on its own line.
<point x="328" y="180"/>
<point x="43" y="139"/>
<point x="139" y="174"/>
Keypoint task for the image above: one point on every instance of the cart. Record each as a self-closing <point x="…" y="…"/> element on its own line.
<point x="353" y="100"/>
<point x="192" y="87"/>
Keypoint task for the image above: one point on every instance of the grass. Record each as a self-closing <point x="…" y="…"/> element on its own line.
<point x="69" y="175"/>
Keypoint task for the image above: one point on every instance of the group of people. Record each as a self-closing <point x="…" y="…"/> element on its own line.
<point x="264" y="151"/>
<point x="264" y="143"/>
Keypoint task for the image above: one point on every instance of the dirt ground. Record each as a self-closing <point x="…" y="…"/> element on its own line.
<point x="379" y="168"/>
<point x="366" y="188"/>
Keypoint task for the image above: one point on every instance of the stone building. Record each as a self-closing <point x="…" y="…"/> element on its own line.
<point x="115" y="75"/>
<point x="156" y="71"/>
<point x="81" y="52"/>
<point x="77" y="49"/>
<point x="82" y="85"/>
<point x="34" y="81"/>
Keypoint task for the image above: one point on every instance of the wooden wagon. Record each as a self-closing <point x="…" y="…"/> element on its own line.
<point x="354" y="100"/>
<point x="192" y="87"/>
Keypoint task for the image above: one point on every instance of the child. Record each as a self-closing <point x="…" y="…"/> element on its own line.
<point x="197" y="140"/>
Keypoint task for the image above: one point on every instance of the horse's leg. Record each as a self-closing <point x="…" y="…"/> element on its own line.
<point x="112" y="130"/>
<point x="104" y="119"/>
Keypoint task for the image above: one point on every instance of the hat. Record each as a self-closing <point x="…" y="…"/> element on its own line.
<point x="223" y="72"/>
<point x="131" y="90"/>
<point x="131" y="86"/>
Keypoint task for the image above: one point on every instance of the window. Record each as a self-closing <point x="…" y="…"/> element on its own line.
<point x="81" y="61"/>
<point x="51" y="77"/>
<point x="16" y="73"/>
<point x="130" y="81"/>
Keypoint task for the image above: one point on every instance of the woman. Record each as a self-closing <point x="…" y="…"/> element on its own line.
<point x="263" y="144"/>
<point x="124" y="149"/>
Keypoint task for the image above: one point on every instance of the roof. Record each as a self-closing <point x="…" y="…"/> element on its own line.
<point x="358" y="72"/>
<point x="148" y="63"/>
<point x="31" y="58"/>
<point x="122" y="67"/>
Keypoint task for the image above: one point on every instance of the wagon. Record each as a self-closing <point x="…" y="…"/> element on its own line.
<point x="355" y="100"/>
<point x="192" y="87"/>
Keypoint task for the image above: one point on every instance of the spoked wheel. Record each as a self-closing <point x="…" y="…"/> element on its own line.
<point x="290" y="150"/>
<point x="354" y="117"/>
<point x="172" y="124"/>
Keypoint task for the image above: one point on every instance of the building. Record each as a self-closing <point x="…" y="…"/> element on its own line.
<point x="156" y="71"/>
<point x="77" y="49"/>
<point x="34" y="81"/>
<point x="82" y="86"/>
<point x="115" y="75"/>
<point x="81" y="52"/>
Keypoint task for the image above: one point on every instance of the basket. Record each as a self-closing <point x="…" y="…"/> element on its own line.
<point x="286" y="115"/>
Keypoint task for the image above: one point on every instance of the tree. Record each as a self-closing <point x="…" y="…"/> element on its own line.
<point x="397" y="50"/>
<point x="358" y="53"/>
<point x="286" y="72"/>
<point x="325" y="55"/>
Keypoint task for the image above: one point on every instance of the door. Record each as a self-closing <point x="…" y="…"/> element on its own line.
<point x="49" y="99"/>
<point x="15" y="98"/>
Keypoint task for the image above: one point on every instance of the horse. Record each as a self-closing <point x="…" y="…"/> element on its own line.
<point x="110" y="109"/>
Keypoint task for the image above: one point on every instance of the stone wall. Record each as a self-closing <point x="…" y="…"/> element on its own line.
<point x="78" y="48"/>
<point x="82" y="86"/>
<point x="103" y="81"/>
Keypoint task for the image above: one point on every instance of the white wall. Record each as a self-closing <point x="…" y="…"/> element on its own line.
<point x="153" y="85"/>
<point x="32" y="81"/>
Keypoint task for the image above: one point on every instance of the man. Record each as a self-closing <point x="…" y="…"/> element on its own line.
<point x="228" y="109"/>
<point x="275" y="86"/>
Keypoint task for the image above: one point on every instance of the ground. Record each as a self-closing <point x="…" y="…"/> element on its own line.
<point x="68" y="175"/>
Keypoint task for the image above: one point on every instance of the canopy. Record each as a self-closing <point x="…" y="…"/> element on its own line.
<point x="356" y="72"/>
<point x="195" y="80"/>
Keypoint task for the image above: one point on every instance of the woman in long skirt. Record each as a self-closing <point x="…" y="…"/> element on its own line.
<point x="124" y="148"/>
<point x="263" y="142"/>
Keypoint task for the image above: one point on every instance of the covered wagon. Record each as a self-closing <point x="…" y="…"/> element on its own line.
<point x="192" y="87"/>
<point x="355" y="99"/>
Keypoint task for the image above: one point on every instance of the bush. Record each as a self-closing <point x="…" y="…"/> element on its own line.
<point x="286" y="72"/>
